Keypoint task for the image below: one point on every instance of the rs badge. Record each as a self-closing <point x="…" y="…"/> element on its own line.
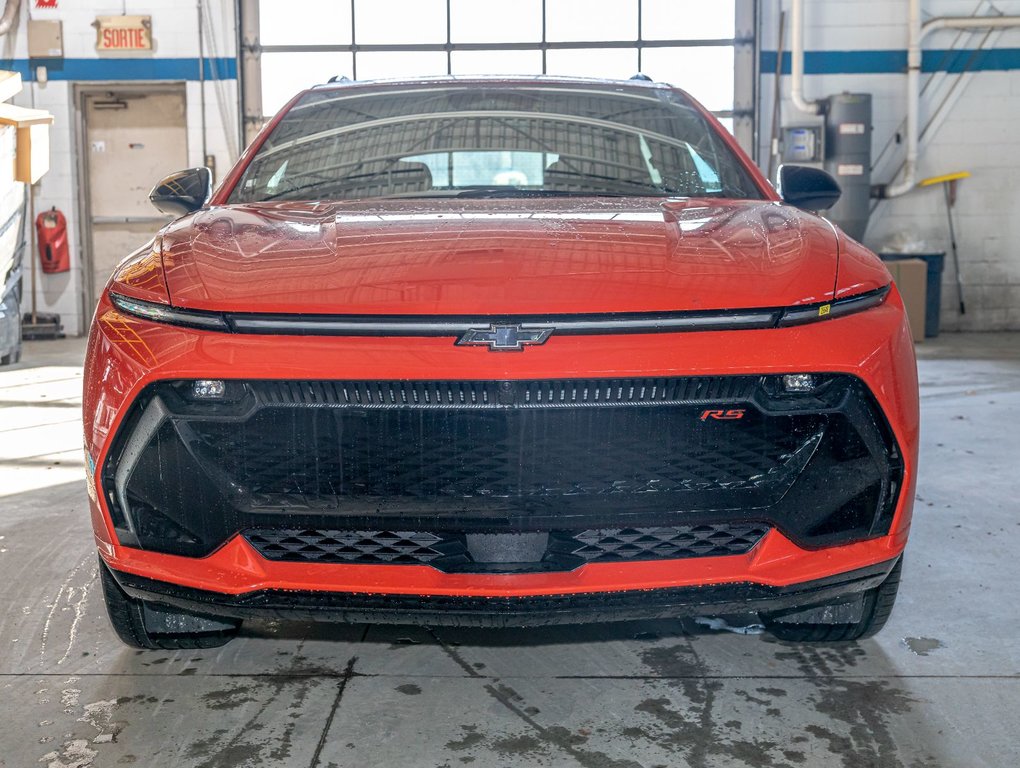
<point x="722" y="415"/>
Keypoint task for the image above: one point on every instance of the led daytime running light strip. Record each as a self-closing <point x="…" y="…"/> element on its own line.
<point x="440" y="325"/>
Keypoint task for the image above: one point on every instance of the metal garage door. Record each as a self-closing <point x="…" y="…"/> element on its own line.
<point x="132" y="140"/>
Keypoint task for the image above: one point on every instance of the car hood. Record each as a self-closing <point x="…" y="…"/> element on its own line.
<point x="499" y="257"/>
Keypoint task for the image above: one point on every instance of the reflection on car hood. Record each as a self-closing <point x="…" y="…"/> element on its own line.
<point x="499" y="257"/>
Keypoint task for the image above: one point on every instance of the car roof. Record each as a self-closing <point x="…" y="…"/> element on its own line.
<point x="640" y="82"/>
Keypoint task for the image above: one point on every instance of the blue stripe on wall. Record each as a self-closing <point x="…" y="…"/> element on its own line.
<point x="876" y="62"/>
<point x="884" y="62"/>
<point x="125" y="69"/>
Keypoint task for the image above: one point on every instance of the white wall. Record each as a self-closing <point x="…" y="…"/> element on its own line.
<point x="975" y="131"/>
<point x="175" y="39"/>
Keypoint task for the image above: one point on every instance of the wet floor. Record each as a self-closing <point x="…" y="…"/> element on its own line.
<point x="939" y="687"/>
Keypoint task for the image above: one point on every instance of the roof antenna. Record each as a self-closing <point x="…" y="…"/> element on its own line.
<point x="642" y="76"/>
<point x="339" y="79"/>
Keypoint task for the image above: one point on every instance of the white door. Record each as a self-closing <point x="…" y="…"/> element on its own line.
<point x="133" y="140"/>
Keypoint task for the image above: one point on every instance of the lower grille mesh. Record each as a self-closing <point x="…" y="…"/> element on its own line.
<point x="347" y="546"/>
<point x="667" y="543"/>
<point x="451" y="551"/>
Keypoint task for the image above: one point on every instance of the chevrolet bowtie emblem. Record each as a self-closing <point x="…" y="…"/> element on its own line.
<point x="505" y="338"/>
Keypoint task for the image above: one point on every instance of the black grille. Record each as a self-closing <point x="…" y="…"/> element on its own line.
<point x="664" y="542"/>
<point x="503" y="394"/>
<point x="652" y="460"/>
<point x="450" y="551"/>
<point x="414" y="547"/>
<point x="300" y="458"/>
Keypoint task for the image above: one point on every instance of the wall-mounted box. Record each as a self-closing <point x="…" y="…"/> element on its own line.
<point x="802" y="144"/>
<point x="45" y="39"/>
<point x="32" y="153"/>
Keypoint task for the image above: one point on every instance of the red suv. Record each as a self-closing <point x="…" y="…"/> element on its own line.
<point x="501" y="352"/>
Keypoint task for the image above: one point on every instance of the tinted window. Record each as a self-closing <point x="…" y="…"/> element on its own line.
<point x="492" y="140"/>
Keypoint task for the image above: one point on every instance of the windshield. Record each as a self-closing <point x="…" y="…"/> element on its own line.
<point x="493" y="141"/>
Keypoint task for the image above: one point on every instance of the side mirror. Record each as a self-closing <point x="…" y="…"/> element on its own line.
<point x="182" y="192"/>
<point x="811" y="189"/>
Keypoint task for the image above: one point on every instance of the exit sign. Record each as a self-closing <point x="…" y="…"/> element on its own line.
<point x="123" y="33"/>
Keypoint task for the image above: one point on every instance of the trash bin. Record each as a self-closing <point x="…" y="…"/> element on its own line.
<point x="936" y="263"/>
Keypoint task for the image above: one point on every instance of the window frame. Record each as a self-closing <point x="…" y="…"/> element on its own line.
<point x="742" y="43"/>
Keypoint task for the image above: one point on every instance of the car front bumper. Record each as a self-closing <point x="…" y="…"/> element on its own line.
<point x="127" y="355"/>
<point x="739" y="598"/>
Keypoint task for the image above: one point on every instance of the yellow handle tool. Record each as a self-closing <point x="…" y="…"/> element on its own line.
<point x="944" y="179"/>
<point x="950" y="179"/>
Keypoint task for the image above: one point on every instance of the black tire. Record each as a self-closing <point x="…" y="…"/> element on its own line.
<point x="878" y="606"/>
<point x="128" y="619"/>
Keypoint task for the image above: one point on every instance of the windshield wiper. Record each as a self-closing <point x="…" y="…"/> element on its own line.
<point x="503" y="190"/>
<point x="652" y="189"/>
<point x="319" y="179"/>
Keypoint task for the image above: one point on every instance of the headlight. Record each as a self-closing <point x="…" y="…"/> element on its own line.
<point x="161" y="313"/>
<point x="846" y="306"/>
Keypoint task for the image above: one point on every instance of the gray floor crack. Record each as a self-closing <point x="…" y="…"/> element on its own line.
<point x="348" y="674"/>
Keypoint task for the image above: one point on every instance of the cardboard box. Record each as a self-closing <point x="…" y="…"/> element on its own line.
<point x="10" y="84"/>
<point x="31" y="131"/>
<point x="911" y="278"/>
<point x="33" y="142"/>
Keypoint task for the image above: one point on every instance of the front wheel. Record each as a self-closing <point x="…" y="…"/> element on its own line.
<point x="876" y="609"/>
<point x="154" y="626"/>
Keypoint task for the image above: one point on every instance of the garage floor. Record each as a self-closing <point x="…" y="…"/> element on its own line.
<point x="939" y="687"/>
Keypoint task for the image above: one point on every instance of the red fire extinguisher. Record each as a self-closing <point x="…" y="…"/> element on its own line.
<point x="51" y="232"/>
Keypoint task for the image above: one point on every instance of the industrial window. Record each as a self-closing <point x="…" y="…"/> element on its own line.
<point x="688" y="43"/>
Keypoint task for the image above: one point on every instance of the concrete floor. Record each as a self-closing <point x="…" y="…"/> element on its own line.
<point x="939" y="687"/>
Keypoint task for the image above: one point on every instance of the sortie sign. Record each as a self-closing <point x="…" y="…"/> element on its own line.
<point x="123" y="33"/>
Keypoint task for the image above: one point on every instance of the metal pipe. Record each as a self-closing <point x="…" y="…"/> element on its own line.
<point x="32" y="250"/>
<point x="918" y="32"/>
<point x="797" y="61"/>
<point x="201" y="82"/>
<point x="238" y="56"/>
<point x="969" y="22"/>
<point x="913" y="103"/>
<point x="895" y="138"/>
<point x="251" y="71"/>
<point x="218" y="83"/>
<point x="777" y="100"/>
<point x="10" y="16"/>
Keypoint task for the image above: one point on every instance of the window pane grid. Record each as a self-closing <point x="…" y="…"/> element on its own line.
<point x="675" y="41"/>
